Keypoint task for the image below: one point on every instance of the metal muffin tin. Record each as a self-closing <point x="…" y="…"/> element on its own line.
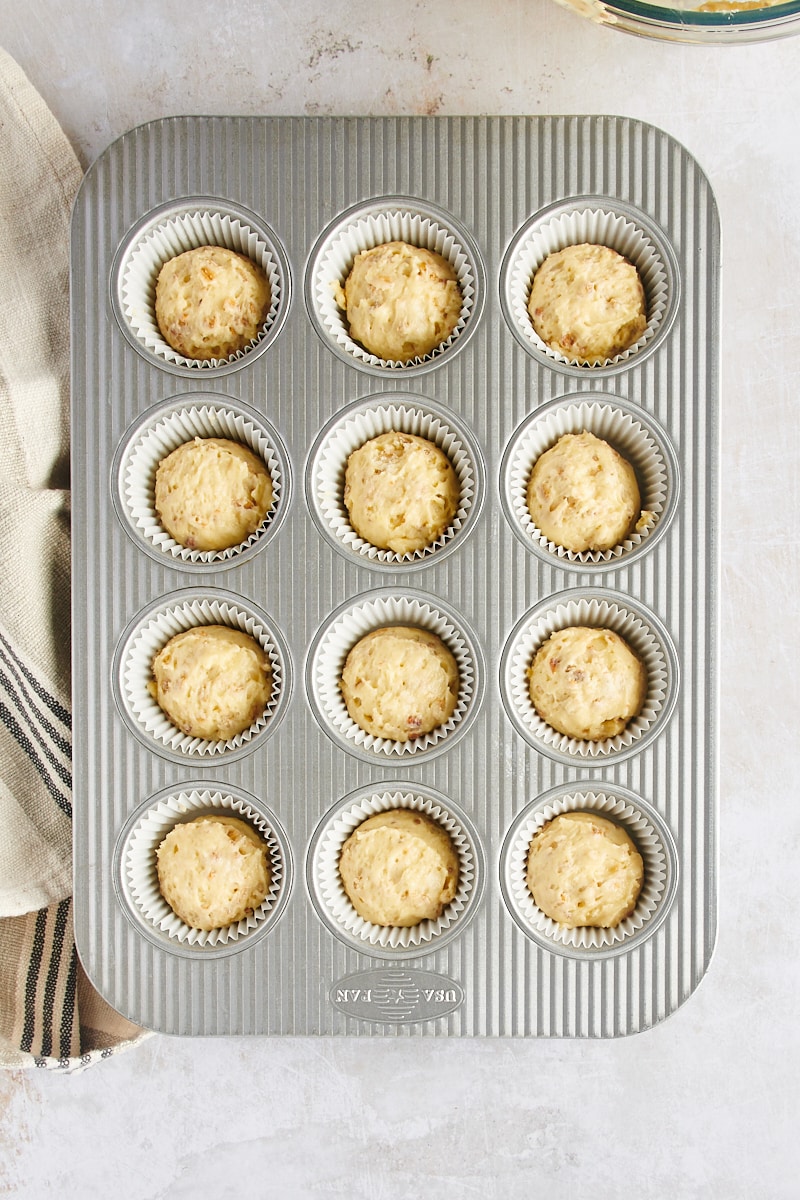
<point x="299" y="194"/>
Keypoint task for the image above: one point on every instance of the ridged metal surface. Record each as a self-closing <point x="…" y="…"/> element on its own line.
<point x="492" y="174"/>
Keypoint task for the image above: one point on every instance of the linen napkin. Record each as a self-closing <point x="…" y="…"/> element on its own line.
<point x="50" y="1015"/>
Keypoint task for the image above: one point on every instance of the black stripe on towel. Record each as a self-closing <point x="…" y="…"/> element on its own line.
<point x="32" y="980"/>
<point x="55" y="706"/>
<point x="41" y="730"/>
<point x="13" y="726"/>
<point x="15" y="685"/>
<point x="51" y="982"/>
<point x="70" y="1001"/>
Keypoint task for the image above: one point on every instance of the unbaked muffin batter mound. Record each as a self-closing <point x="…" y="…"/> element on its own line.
<point x="212" y="493"/>
<point x="583" y="495"/>
<point x="400" y="682"/>
<point x="212" y="681"/>
<point x="399" y="868"/>
<point x="211" y="302"/>
<point x="586" y="682"/>
<point x="213" y="871"/>
<point x="584" y="870"/>
<point x="587" y="303"/>
<point x="401" y="301"/>
<point x="400" y="491"/>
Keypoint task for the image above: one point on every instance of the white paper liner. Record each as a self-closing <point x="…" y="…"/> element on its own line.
<point x="356" y="428"/>
<point x="154" y="632"/>
<point x="140" y="867"/>
<point x="607" y="614"/>
<point x="166" y="431"/>
<point x="337" y="904"/>
<point x="659" y="866"/>
<point x="597" y="226"/>
<point x="186" y="230"/>
<point x="373" y="228"/>
<point x="631" y="435"/>
<point x="339" y="637"/>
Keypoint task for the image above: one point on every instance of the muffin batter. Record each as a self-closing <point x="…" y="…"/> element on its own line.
<point x="582" y="494"/>
<point x="584" y="870"/>
<point x="213" y="871"/>
<point x="401" y="301"/>
<point x="400" y="682"/>
<point x="400" y="491"/>
<point x="212" y="493"/>
<point x="586" y="683"/>
<point x="212" y="681"/>
<point x="211" y="302"/>
<point x="587" y="303"/>
<point x="399" y="868"/>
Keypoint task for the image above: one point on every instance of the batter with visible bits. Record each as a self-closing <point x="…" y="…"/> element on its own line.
<point x="586" y="682"/>
<point x="400" y="491"/>
<point x="584" y="870"/>
<point x="401" y="301"/>
<point x="399" y="868"/>
<point x="400" y="682"/>
<point x="587" y="303"/>
<point x="582" y="494"/>
<point x="212" y="493"/>
<point x="212" y="681"/>
<point x="213" y="871"/>
<point x="211" y="302"/>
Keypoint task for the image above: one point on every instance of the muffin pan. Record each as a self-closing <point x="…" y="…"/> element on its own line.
<point x="302" y="196"/>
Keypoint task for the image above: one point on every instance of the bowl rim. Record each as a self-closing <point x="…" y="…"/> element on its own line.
<point x="737" y="18"/>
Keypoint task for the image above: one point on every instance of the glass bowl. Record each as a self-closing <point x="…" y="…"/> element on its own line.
<point x="721" y="22"/>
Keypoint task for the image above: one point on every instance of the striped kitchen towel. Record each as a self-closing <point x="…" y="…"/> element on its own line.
<point x="50" y="1015"/>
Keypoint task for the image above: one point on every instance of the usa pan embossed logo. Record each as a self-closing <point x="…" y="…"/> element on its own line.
<point x="389" y="995"/>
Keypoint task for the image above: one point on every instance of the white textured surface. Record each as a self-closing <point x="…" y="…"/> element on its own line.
<point x="704" y="1105"/>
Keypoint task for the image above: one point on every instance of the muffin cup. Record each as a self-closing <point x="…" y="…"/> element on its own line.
<point x="367" y="419"/>
<point x="632" y="432"/>
<point x="599" y="221"/>
<point x="352" y="621"/>
<point x="393" y="218"/>
<point x="334" y="905"/>
<point x="172" y="229"/>
<point x="652" y="839"/>
<point x="160" y="432"/>
<point x="137" y="869"/>
<point x="152" y="629"/>
<point x="645" y="635"/>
